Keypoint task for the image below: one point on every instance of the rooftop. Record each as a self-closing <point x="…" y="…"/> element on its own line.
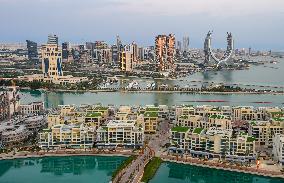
<point x="152" y="109"/>
<point x="198" y="130"/>
<point x="278" y="119"/>
<point x="218" y="117"/>
<point x="101" y="108"/>
<point x="151" y="114"/>
<point x="250" y="139"/>
<point x="180" y="129"/>
<point x="183" y="117"/>
<point x="94" y="115"/>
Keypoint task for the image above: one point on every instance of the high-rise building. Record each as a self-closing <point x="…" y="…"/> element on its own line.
<point x="133" y="48"/>
<point x="179" y="46"/>
<point x="52" y="39"/>
<point x="165" y="50"/>
<point x="51" y="59"/>
<point x="102" y="52"/>
<point x="114" y="52"/>
<point x="65" y="50"/>
<point x="126" y="61"/>
<point x="32" y="50"/>
<point x="90" y="46"/>
<point x="185" y="44"/>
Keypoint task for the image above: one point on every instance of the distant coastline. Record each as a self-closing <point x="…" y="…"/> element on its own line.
<point x="154" y="91"/>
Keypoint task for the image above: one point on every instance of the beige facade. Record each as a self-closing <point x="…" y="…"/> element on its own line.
<point x="126" y="61"/>
<point x="51" y="61"/>
<point x="165" y="50"/>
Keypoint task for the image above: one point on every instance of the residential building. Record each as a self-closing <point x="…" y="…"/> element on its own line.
<point x="52" y="39"/>
<point x="65" y="51"/>
<point x="67" y="136"/>
<point x="190" y="121"/>
<point x="120" y="133"/>
<point x="32" y="108"/>
<point x="93" y="119"/>
<point x="185" y="44"/>
<point x="51" y="61"/>
<point x="9" y="102"/>
<point x="264" y="131"/>
<point x="32" y="51"/>
<point x="219" y="121"/>
<point x="126" y="61"/>
<point x="150" y="120"/>
<point x="278" y="148"/>
<point x="165" y="50"/>
<point x="247" y="113"/>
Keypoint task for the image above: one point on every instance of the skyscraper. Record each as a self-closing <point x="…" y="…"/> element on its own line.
<point x="165" y="50"/>
<point x="51" y="59"/>
<point x="32" y="50"/>
<point x="52" y="39"/>
<point x="126" y="61"/>
<point x="133" y="48"/>
<point x="65" y="50"/>
<point x="179" y="46"/>
<point x="114" y="52"/>
<point x="185" y="42"/>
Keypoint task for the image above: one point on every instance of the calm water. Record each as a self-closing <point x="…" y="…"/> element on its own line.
<point x="53" y="99"/>
<point x="179" y="173"/>
<point x="262" y="75"/>
<point x="73" y="169"/>
<point x="267" y="74"/>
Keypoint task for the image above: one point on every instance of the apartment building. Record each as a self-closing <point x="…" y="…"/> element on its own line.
<point x="190" y="121"/>
<point x="67" y="136"/>
<point x="120" y="133"/>
<point x="264" y="131"/>
<point x="220" y="121"/>
<point x="32" y="108"/>
<point x="248" y="113"/>
<point x="278" y="148"/>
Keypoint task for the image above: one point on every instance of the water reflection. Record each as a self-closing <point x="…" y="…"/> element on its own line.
<point x="76" y="165"/>
<point x="173" y="172"/>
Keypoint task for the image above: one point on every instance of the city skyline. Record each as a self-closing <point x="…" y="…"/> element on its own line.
<point x="141" y="21"/>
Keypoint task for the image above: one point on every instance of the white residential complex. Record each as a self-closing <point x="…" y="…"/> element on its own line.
<point x="278" y="148"/>
<point x="120" y="133"/>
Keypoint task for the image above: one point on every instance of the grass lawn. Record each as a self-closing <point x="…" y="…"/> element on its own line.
<point x="151" y="168"/>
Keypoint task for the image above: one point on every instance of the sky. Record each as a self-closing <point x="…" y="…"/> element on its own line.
<point x="254" y="23"/>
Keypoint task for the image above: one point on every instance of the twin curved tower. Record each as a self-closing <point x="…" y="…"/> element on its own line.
<point x="209" y="51"/>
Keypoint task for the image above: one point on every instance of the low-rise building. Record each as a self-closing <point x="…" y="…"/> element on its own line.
<point x="264" y="131"/>
<point x="9" y="102"/>
<point x="14" y="135"/>
<point x="150" y="120"/>
<point x="220" y="121"/>
<point x="67" y="136"/>
<point x="212" y="142"/>
<point x="93" y="119"/>
<point x="32" y="108"/>
<point x="190" y="121"/>
<point x="120" y="133"/>
<point x="248" y="113"/>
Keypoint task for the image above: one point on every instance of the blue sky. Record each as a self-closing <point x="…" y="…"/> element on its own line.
<point x="255" y="23"/>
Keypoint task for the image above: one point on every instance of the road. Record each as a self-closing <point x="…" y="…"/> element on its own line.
<point x="134" y="172"/>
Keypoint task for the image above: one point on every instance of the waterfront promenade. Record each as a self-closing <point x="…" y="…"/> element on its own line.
<point x="271" y="172"/>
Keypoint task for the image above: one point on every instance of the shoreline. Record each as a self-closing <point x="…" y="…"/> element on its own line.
<point x="43" y="155"/>
<point x="271" y="174"/>
<point x="196" y="162"/>
<point x="156" y="91"/>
